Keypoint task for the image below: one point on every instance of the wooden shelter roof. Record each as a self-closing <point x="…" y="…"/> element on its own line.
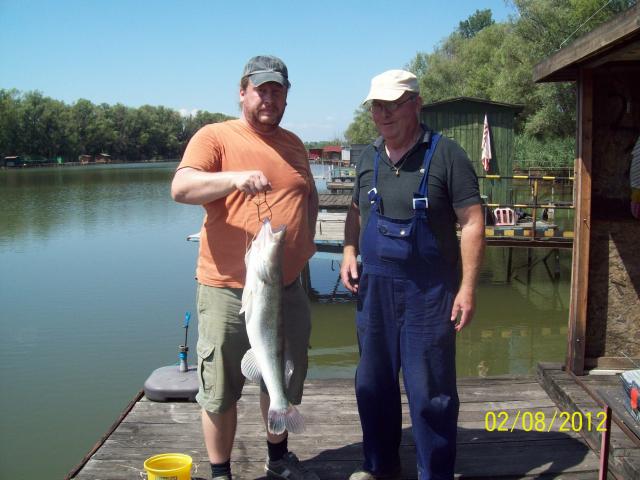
<point x="617" y="40"/>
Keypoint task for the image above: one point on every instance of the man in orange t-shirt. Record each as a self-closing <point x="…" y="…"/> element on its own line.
<point x="242" y="171"/>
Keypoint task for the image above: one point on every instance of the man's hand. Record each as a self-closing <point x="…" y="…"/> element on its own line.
<point x="251" y="182"/>
<point x="349" y="266"/>
<point x="349" y="272"/>
<point x="463" y="305"/>
<point x="196" y="187"/>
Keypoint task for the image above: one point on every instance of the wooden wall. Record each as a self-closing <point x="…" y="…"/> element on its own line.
<point x="613" y="302"/>
<point x="463" y="121"/>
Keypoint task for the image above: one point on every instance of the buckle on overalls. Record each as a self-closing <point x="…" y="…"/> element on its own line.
<point x="372" y="198"/>
<point x="421" y="203"/>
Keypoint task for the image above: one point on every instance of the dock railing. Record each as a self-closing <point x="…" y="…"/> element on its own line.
<point x="537" y="229"/>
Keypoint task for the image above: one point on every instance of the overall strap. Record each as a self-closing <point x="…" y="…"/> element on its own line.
<point x="421" y="197"/>
<point x="373" y="193"/>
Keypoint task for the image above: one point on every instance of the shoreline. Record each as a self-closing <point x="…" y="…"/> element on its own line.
<point x="87" y="164"/>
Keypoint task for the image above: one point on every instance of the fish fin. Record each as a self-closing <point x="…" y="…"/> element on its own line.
<point x="293" y="420"/>
<point x="276" y="421"/>
<point x="280" y="420"/>
<point x="288" y="372"/>
<point x="247" y="299"/>
<point x="250" y="368"/>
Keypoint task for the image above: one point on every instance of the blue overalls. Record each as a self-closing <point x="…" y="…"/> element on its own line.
<point x="405" y="297"/>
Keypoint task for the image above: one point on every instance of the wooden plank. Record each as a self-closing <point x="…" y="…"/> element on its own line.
<point x="330" y="228"/>
<point x="624" y="457"/>
<point x="513" y="460"/>
<point x="332" y="443"/>
<point x="580" y="260"/>
<point x="334" y="201"/>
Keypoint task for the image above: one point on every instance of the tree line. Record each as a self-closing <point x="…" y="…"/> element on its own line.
<point x="494" y="61"/>
<point x="35" y="126"/>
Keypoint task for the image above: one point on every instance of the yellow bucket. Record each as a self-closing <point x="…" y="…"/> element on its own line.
<point x="169" y="466"/>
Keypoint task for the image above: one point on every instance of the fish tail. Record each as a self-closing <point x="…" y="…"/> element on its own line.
<point x="293" y="420"/>
<point x="280" y="420"/>
<point x="276" y="421"/>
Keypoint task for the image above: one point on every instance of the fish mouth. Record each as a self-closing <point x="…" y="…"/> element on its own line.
<point x="268" y="234"/>
<point x="281" y="228"/>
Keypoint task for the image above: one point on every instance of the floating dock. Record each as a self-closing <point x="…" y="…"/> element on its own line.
<point x="330" y="232"/>
<point x="331" y="445"/>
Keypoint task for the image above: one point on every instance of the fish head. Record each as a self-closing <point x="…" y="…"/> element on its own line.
<point x="268" y="246"/>
<point x="273" y="241"/>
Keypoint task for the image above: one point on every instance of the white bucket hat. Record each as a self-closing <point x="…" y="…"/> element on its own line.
<point x="391" y="85"/>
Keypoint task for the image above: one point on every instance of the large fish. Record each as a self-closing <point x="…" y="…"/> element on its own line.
<point x="262" y="308"/>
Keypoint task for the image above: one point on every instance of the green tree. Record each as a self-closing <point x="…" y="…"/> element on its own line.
<point x="192" y="123"/>
<point x="38" y="126"/>
<point x="476" y="22"/>
<point x="495" y="61"/>
<point x="362" y="129"/>
<point x="10" y="143"/>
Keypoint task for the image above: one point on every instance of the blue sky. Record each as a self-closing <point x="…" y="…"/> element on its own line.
<point x="189" y="54"/>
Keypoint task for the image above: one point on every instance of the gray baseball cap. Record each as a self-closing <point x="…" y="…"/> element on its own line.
<point x="266" y="68"/>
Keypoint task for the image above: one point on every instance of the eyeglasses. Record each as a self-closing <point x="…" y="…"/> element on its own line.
<point x="390" y="107"/>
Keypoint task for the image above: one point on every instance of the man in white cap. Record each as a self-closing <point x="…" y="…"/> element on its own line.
<point x="412" y="186"/>
<point x="223" y="168"/>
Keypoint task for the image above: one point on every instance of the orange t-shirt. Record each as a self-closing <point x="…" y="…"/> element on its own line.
<point x="231" y="222"/>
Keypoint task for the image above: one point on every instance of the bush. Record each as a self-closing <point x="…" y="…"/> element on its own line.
<point x="543" y="154"/>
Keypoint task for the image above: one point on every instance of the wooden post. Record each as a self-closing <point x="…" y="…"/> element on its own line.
<point x="604" y="444"/>
<point x="509" y="264"/>
<point x="582" y="227"/>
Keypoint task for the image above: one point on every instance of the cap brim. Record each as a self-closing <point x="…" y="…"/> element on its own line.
<point x="259" y="78"/>
<point x="385" y="94"/>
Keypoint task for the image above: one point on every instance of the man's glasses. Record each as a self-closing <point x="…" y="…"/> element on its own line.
<point x="390" y="107"/>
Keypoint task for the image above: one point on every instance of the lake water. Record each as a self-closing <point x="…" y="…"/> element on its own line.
<point x="95" y="279"/>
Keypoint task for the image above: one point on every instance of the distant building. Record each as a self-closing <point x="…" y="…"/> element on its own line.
<point x="345" y="156"/>
<point x="315" y="154"/>
<point x="332" y="154"/>
<point x="462" y="119"/>
<point x="13" y="161"/>
<point x="356" y="152"/>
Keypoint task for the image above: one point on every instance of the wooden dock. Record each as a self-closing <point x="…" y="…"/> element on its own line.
<point x="574" y="395"/>
<point x="330" y="233"/>
<point x="331" y="444"/>
<point x="334" y="201"/>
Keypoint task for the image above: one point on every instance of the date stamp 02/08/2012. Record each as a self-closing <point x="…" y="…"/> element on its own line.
<point x="532" y="421"/>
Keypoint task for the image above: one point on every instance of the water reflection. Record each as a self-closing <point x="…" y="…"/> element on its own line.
<point x="517" y="324"/>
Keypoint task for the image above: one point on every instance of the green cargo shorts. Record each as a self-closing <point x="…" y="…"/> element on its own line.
<point x="223" y="341"/>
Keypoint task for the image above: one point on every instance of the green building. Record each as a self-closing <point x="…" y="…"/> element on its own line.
<point x="462" y="119"/>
